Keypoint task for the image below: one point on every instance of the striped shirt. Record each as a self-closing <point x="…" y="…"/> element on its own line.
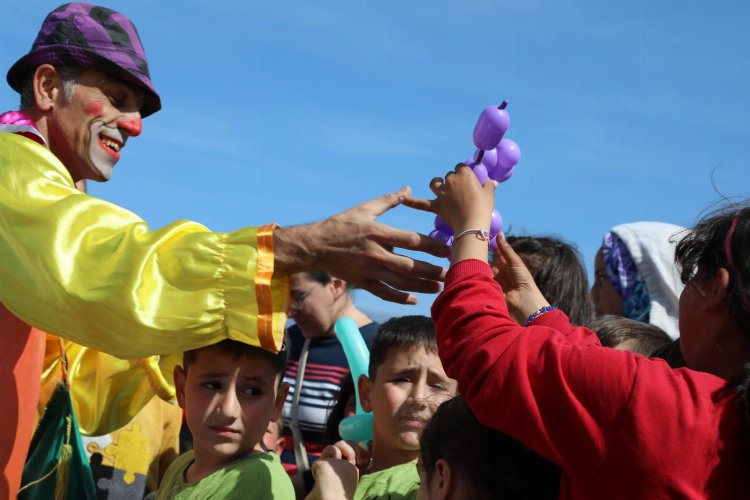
<point x="326" y="367"/>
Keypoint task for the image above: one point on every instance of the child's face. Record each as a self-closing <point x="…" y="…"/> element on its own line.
<point x="408" y="388"/>
<point x="228" y="403"/>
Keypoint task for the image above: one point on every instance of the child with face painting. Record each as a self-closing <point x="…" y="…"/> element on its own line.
<point x="406" y="384"/>
<point x="616" y="422"/>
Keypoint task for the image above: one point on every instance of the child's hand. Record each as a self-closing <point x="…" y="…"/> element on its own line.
<point x="521" y="293"/>
<point x="350" y="451"/>
<point x="461" y="201"/>
<point x="334" y="480"/>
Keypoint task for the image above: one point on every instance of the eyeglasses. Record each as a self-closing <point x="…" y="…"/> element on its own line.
<point x="297" y="302"/>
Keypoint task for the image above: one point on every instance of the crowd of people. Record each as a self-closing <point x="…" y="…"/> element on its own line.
<point x="183" y="379"/>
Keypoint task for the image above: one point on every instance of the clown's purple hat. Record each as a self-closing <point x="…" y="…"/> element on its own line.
<point x="88" y="36"/>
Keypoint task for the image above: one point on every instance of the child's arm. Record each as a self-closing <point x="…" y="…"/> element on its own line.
<point x="352" y="452"/>
<point x="335" y="479"/>
<point x="557" y="397"/>
<point x="535" y="383"/>
<point x="467" y="207"/>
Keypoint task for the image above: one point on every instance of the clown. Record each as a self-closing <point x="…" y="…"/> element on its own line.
<point x="95" y="274"/>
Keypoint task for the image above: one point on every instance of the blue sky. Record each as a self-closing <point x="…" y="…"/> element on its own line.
<point x="290" y="111"/>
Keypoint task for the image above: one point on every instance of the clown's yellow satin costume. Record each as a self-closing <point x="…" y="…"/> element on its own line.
<point x="107" y="392"/>
<point x="92" y="272"/>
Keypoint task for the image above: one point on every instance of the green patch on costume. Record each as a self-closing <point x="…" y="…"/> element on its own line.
<point x="57" y="466"/>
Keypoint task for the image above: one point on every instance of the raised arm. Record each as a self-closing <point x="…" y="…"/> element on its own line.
<point x="544" y="384"/>
<point x="96" y="274"/>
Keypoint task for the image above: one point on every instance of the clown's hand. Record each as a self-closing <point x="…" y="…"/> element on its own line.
<point x="355" y="247"/>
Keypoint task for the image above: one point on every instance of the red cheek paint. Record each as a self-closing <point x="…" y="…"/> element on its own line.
<point x="95" y="109"/>
<point x="133" y="126"/>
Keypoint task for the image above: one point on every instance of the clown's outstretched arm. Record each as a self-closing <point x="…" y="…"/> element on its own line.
<point x="94" y="273"/>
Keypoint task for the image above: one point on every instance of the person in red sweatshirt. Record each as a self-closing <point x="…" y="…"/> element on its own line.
<point x="620" y="425"/>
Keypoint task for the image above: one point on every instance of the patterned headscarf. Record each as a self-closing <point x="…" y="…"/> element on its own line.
<point x="625" y="278"/>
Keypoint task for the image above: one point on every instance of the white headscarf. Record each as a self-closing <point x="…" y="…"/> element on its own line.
<point x="651" y="246"/>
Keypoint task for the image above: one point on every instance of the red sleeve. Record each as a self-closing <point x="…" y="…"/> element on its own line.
<point x="550" y="385"/>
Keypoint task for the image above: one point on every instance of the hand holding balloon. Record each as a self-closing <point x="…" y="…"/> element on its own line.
<point x="495" y="159"/>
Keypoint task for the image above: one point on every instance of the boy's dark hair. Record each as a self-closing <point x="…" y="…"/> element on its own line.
<point x="637" y="336"/>
<point x="671" y="353"/>
<point x="239" y="349"/>
<point x="493" y="464"/>
<point x="404" y="331"/>
<point x="558" y="271"/>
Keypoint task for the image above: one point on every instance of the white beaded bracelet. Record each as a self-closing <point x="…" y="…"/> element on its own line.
<point x="481" y="234"/>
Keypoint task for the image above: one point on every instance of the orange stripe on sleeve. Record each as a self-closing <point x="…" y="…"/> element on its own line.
<point x="263" y="286"/>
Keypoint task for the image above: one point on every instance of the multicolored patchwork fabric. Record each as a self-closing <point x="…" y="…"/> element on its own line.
<point x="88" y="36"/>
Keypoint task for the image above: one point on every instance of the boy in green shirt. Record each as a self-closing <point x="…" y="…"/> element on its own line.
<point x="230" y="391"/>
<point x="405" y="386"/>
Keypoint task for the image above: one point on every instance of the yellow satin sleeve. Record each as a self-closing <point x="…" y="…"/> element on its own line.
<point x="107" y="392"/>
<point x="94" y="273"/>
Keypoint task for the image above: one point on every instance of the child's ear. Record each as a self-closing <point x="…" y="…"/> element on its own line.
<point x="280" y="443"/>
<point x="714" y="290"/>
<point x="179" y="385"/>
<point x="365" y="386"/>
<point x="720" y="285"/>
<point x="278" y="405"/>
<point x="445" y="480"/>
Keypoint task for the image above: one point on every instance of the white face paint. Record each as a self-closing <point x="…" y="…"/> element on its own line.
<point x="90" y="128"/>
<point x="104" y="147"/>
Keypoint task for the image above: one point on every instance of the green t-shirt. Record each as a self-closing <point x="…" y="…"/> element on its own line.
<point x="399" y="482"/>
<point x="254" y="476"/>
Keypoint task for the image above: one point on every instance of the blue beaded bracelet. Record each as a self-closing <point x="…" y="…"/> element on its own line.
<point x="538" y="313"/>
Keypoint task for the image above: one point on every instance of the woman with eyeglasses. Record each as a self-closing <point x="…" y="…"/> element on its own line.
<point x="317" y="360"/>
